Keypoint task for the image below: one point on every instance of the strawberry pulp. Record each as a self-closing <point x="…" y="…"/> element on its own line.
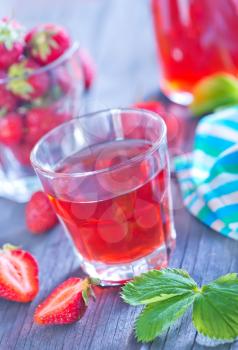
<point x="115" y="216"/>
<point x="195" y="39"/>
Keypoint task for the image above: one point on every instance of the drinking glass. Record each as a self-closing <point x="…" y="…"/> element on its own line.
<point x="107" y="177"/>
<point x="195" y="38"/>
<point x="34" y="118"/>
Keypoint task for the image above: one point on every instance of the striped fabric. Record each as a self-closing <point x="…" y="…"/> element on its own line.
<point x="208" y="176"/>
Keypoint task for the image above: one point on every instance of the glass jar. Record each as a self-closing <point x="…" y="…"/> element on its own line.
<point x="28" y="119"/>
<point x="195" y="38"/>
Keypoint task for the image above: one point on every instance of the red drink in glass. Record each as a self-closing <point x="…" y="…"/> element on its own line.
<point x="195" y="38"/>
<point x="107" y="176"/>
<point x="121" y="228"/>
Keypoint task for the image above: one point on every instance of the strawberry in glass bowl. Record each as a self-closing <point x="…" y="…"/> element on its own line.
<point x="42" y="79"/>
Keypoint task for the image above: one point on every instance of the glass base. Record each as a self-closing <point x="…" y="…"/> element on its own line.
<point x="18" y="190"/>
<point x="117" y="274"/>
<point x="180" y="97"/>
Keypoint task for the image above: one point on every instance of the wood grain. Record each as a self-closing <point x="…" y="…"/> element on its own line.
<point x="119" y="35"/>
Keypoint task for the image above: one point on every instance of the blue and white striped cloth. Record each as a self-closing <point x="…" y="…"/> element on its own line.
<point x="208" y="176"/>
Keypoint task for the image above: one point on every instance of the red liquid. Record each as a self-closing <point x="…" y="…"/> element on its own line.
<point x="195" y="38"/>
<point x="115" y="217"/>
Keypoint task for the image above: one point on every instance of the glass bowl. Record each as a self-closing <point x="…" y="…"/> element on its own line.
<point x="57" y="98"/>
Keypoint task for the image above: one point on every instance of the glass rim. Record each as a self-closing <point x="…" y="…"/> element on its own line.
<point x="129" y="162"/>
<point x="62" y="59"/>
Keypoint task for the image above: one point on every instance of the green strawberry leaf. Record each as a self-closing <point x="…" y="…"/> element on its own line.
<point x="157" y="317"/>
<point x="158" y="285"/>
<point x="19" y="84"/>
<point x="215" y="310"/>
<point x="20" y="87"/>
<point x="9" y="34"/>
<point x="168" y="294"/>
<point x="43" y="43"/>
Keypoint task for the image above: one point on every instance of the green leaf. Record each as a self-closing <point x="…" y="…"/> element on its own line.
<point x="215" y="310"/>
<point x="19" y="84"/>
<point x="158" y="285"/>
<point x="214" y="91"/>
<point x="85" y="296"/>
<point x="157" y="317"/>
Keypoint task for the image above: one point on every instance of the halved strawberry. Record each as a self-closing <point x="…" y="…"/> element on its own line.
<point x="67" y="303"/>
<point x="18" y="274"/>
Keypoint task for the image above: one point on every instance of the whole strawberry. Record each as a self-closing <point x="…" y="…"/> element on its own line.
<point x="47" y="42"/>
<point x="11" y="129"/>
<point x="67" y="303"/>
<point x="88" y="68"/>
<point x="38" y="121"/>
<point x="11" y="42"/>
<point x="61" y="82"/>
<point x="174" y="127"/>
<point x="40" y="216"/>
<point x="8" y="102"/>
<point x="18" y="274"/>
<point x="26" y="85"/>
<point x="22" y="152"/>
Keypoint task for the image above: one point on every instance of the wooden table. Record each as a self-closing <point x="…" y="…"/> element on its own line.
<point x="119" y="35"/>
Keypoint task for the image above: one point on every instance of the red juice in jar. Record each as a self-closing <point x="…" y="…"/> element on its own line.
<point x="195" y="38"/>
<point x="123" y="223"/>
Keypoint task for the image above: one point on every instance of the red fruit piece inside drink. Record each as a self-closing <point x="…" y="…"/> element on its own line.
<point x="67" y="303"/>
<point x="24" y="83"/>
<point x="38" y="121"/>
<point x="11" y="129"/>
<point x="40" y="216"/>
<point x="47" y="42"/>
<point x="11" y="42"/>
<point x="18" y="274"/>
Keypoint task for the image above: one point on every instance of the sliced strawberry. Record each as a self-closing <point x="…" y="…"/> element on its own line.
<point x="47" y="42"/>
<point x="18" y="274"/>
<point x="67" y="303"/>
<point x="11" y="129"/>
<point x="40" y="216"/>
<point x="24" y="83"/>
